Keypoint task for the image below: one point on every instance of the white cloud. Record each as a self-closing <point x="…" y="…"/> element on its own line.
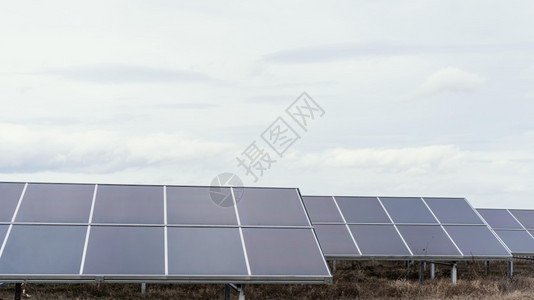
<point x="403" y="160"/>
<point x="449" y="79"/>
<point x="29" y="149"/>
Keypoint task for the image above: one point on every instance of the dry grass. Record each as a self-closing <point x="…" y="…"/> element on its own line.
<point x="352" y="280"/>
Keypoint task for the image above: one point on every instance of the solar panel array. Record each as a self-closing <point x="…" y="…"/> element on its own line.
<point x="402" y="228"/>
<point x="129" y="233"/>
<point x="515" y="227"/>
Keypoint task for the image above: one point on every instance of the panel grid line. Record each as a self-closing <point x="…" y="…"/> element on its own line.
<point x="442" y="227"/>
<point x="84" y="253"/>
<point x="347" y="225"/>
<point x="13" y="219"/>
<point x="165" y="231"/>
<point x="394" y="225"/>
<point x="241" y="232"/>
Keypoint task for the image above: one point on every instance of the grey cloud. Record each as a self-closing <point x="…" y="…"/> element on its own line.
<point x="328" y="53"/>
<point x="130" y="74"/>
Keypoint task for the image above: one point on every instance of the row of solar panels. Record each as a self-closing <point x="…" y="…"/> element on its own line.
<point x="128" y="233"/>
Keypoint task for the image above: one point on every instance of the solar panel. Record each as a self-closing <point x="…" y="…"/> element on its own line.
<point x="524" y="216"/>
<point x="402" y="227"/>
<point x="9" y="197"/>
<point x="379" y="240"/>
<point x="499" y="219"/>
<point x="141" y="233"/>
<point x="508" y="225"/>
<point x="336" y="240"/>
<point x="43" y="249"/>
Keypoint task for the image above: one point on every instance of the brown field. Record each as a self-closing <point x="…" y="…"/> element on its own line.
<point x="352" y="280"/>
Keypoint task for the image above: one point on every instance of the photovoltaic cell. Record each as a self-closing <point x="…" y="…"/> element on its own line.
<point x="206" y="251"/>
<point x="125" y="250"/>
<point x="525" y="217"/>
<point x="322" y="209"/>
<point x="453" y="211"/>
<point x="43" y="250"/>
<point x="129" y="204"/>
<point x="195" y="205"/>
<point x="407" y="210"/>
<point x="428" y="240"/>
<point x="518" y="241"/>
<point x="9" y="197"/>
<point x="362" y="210"/>
<point x="499" y="219"/>
<point x="271" y="207"/>
<point x="3" y="230"/>
<point x="277" y="251"/>
<point x="335" y="240"/>
<point x="61" y="203"/>
<point x="379" y="240"/>
<point x="476" y="241"/>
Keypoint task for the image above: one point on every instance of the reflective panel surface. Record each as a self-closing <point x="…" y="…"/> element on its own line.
<point x="125" y="250"/>
<point x="335" y="240"/>
<point x="407" y="210"/>
<point x="129" y="204"/>
<point x="56" y="203"/>
<point x="476" y="241"/>
<point x="195" y="205"/>
<point x="42" y="249"/>
<point x="322" y="209"/>
<point x="525" y="217"/>
<point x="362" y="210"/>
<point x="9" y="197"/>
<point x="453" y="211"/>
<point x="379" y="240"/>
<point x="283" y="252"/>
<point x="205" y="251"/>
<point x="426" y="240"/>
<point x="276" y="207"/>
<point x="519" y="241"/>
<point x="499" y="219"/>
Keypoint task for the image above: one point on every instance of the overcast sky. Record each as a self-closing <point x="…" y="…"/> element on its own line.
<point x="421" y="98"/>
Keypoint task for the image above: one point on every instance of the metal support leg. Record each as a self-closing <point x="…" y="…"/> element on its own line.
<point x="432" y="270"/>
<point x="143" y="288"/>
<point x="226" y="292"/>
<point x="421" y="272"/>
<point x="406" y="264"/>
<point x="242" y="292"/>
<point x="454" y="275"/>
<point x="18" y="291"/>
<point x="333" y="265"/>
<point x="486" y="267"/>
<point x="510" y="269"/>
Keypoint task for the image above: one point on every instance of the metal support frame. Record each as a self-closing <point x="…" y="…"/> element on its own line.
<point x="238" y="288"/>
<point x="18" y="290"/>
<point x="486" y="267"/>
<point x="143" y="288"/>
<point x="454" y="273"/>
<point x="510" y="269"/>
<point x="421" y="272"/>
<point x="432" y="270"/>
<point x="333" y="265"/>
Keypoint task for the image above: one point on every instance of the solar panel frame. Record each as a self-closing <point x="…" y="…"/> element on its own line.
<point x="92" y="226"/>
<point x="469" y="219"/>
